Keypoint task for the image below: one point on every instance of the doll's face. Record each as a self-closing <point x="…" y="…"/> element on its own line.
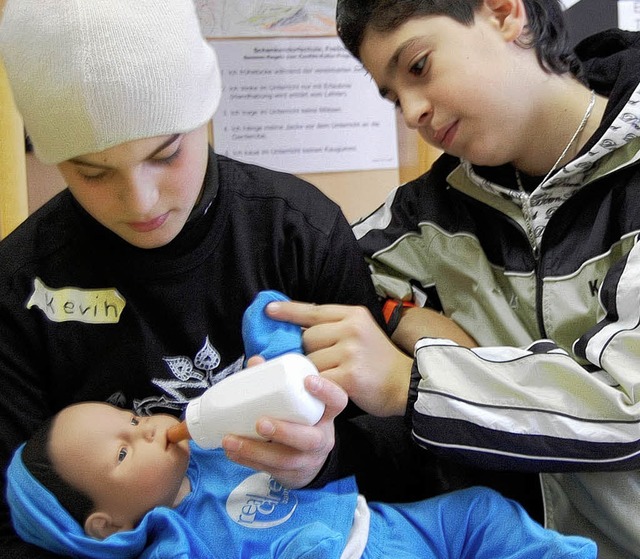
<point x="123" y="462"/>
<point x="142" y="190"/>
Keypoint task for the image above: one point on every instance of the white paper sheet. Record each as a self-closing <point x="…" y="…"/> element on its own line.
<point x="301" y="106"/>
<point x="629" y="15"/>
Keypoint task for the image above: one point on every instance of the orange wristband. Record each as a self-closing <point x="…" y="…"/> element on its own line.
<point x="392" y="311"/>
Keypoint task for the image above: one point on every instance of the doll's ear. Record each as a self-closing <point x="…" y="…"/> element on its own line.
<point x="100" y="525"/>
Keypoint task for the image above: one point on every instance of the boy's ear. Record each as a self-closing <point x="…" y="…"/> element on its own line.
<point x="100" y="525"/>
<point x="509" y="16"/>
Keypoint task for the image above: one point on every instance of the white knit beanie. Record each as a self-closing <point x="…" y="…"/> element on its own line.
<point x="88" y="75"/>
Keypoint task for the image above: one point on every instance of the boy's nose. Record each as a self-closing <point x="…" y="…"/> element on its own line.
<point x="140" y="194"/>
<point x="416" y="111"/>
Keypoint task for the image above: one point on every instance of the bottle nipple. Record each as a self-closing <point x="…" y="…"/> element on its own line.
<point x="177" y="433"/>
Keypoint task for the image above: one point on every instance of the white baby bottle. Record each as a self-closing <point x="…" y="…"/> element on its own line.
<point x="273" y="389"/>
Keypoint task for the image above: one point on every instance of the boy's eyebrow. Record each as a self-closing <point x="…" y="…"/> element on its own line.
<point x="79" y="161"/>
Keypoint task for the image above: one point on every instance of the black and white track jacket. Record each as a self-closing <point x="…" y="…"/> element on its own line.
<point x="555" y="385"/>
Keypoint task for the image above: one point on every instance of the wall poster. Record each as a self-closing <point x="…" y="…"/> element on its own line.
<point x="293" y="98"/>
<point x="302" y="106"/>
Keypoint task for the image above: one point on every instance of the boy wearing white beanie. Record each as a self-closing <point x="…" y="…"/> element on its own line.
<point x="129" y="286"/>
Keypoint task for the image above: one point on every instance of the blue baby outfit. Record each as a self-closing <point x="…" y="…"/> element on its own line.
<point x="249" y="514"/>
<point x="234" y="512"/>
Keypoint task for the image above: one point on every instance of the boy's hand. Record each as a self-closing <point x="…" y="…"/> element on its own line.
<point x="294" y="454"/>
<point x="347" y="346"/>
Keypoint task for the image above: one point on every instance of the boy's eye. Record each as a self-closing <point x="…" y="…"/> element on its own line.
<point x="122" y="454"/>
<point x="417" y="68"/>
<point x="93" y="177"/>
<point x="169" y="159"/>
<point x="134" y="420"/>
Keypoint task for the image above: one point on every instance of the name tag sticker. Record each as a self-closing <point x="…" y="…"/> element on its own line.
<point x="92" y="306"/>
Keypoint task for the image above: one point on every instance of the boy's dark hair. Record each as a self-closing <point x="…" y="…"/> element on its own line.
<point x="37" y="459"/>
<point x="547" y="31"/>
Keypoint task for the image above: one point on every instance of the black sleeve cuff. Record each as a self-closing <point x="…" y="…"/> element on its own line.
<point x="413" y="392"/>
<point x="336" y="465"/>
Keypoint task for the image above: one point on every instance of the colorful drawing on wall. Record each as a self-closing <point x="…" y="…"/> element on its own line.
<point x="257" y="18"/>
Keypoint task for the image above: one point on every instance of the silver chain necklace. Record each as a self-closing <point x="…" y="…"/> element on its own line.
<point x="525" y="198"/>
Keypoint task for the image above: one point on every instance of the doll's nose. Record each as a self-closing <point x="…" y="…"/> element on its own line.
<point x="147" y="431"/>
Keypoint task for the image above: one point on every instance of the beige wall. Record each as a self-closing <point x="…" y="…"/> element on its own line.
<point x="13" y="182"/>
<point x="44" y="182"/>
<point x="13" y="178"/>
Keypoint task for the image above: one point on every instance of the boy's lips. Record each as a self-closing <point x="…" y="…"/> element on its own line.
<point x="150" y="225"/>
<point x="444" y="136"/>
